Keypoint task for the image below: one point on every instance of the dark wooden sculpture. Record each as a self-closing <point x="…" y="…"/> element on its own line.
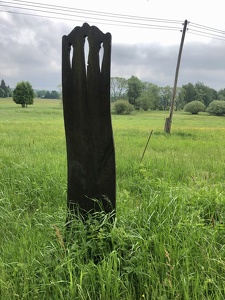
<point x="87" y="119"/>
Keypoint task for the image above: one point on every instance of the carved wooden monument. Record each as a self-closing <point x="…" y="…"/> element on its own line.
<point x="86" y="60"/>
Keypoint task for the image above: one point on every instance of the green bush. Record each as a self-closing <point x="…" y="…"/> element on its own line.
<point x="194" y="107"/>
<point x="216" y="108"/>
<point x="123" y="107"/>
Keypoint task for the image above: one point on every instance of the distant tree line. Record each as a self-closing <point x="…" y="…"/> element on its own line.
<point x="6" y="91"/>
<point x="47" y="94"/>
<point x="146" y="95"/>
<point x="143" y="95"/>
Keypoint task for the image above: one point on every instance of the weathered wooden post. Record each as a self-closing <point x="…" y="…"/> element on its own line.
<point x="87" y="119"/>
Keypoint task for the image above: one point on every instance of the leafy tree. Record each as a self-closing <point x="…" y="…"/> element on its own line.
<point x="6" y="90"/>
<point x="165" y="97"/>
<point x="217" y="108"/>
<point x="118" y="88"/>
<point x="144" y="102"/>
<point x="198" y="92"/>
<point x="48" y="95"/>
<point x="204" y="93"/>
<point x="23" y="94"/>
<point x="2" y="93"/>
<point x="59" y="86"/>
<point x="10" y="93"/>
<point x="149" y="98"/>
<point x="179" y="102"/>
<point x="221" y="94"/>
<point x="3" y="86"/>
<point x="135" y="89"/>
<point x="194" y="107"/>
<point x="123" y="107"/>
<point x="54" y="95"/>
<point x="41" y="94"/>
<point x="189" y="92"/>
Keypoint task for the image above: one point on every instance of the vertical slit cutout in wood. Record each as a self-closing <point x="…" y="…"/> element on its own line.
<point x="71" y="55"/>
<point x="101" y="54"/>
<point x="86" y="53"/>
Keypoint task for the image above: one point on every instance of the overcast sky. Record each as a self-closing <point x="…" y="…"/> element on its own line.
<point x="30" y="46"/>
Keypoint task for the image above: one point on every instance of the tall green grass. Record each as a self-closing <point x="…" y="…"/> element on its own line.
<point x="168" y="237"/>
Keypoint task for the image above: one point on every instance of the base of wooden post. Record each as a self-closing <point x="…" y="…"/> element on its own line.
<point x="167" y="125"/>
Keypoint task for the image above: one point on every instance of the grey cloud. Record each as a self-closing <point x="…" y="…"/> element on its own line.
<point x="156" y="63"/>
<point x="30" y="49"/>
<point x="150" y="62"/>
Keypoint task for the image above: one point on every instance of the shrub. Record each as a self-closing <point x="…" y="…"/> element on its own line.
<point x="194" y="107"/>
<point x="123" y="107"/>
<point x="216" y="108"/>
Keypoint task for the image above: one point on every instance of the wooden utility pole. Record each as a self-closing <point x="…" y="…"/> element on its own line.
<point x="168" y="122"/>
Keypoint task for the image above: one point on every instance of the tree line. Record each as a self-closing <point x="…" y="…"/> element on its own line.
<point x="146" y="95"/>
<point x="139" y="94"/>
<point x="6" y="91"/>
<point x="47" y="94"/>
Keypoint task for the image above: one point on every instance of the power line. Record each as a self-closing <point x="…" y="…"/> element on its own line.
<point x="120" y="25"/>
<point x="208" y="28"/>
<point x="206" y="31"/>
<point x="205" y="34"/>
<point x="84" y="18"/>
<point x="65" y="13"/>
<point x="123" y="24"/>
<point x="63" y="8"/>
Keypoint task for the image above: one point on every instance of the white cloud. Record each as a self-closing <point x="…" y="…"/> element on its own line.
<point x="30" y="49"/>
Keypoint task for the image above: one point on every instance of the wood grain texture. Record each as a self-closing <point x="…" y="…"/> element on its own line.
<point x="87" y="119"/>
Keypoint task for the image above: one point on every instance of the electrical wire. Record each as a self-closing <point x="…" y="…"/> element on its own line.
<point x="202" y="33"/>
<point x="120" y="25"/>
<point x="206" y="31"/>
<point x="145" y="25"/>
<point x="84" y="11"/>
<point x="206" y="35"/>
<point x="97" y="16"/>
<point x="67" y="13"/>
<point x="208" y="28"/>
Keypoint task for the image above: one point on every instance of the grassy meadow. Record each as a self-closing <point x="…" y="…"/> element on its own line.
<point x="168" y="237"/>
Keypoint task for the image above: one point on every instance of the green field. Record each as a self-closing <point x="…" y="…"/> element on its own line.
<point x="168" y="238"/>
